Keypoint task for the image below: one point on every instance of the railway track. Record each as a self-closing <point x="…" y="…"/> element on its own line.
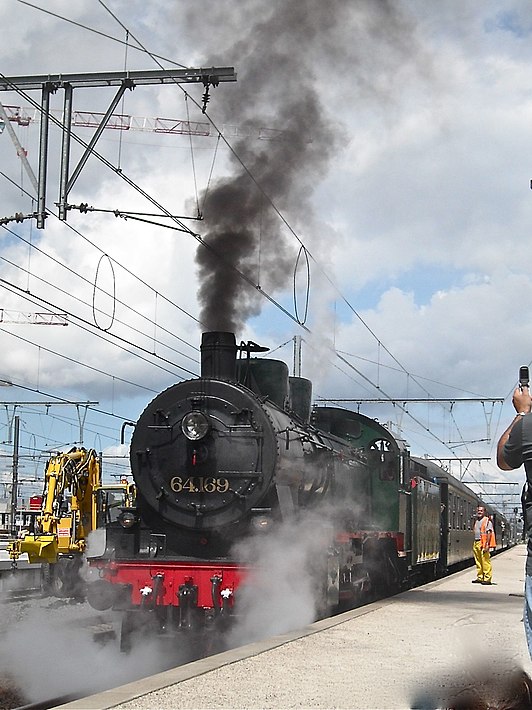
<point x="11" y="698"/>
<point x="16" y="595"/>
<point x="37" y="673"/>
<point x="47" y="704"/>
<point x="34" y="633"/>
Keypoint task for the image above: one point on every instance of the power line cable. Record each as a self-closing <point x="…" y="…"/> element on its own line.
<point x="98" y="32"/>
<point x="277" y="211"/>
<point x="90" y="327"/>
<point x="122" y="303"/>
<point x="307" y="252"/>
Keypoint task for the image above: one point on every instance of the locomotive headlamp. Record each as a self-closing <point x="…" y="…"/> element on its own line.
<point x="195" y="425"/>
<point x="127" y="519"/>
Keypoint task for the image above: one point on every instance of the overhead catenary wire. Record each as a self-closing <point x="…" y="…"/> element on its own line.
<point x="308" y="254"/>
<point x="298" y="239"/>
<point x="82" y="323"/>
<point x="98" y="32"/>
<point x="61" y="290"/>
<point x="250" y="281"/>
<point x="181" y="226"/>
<point x="122" y="266"/>
<point x="50" y="413"/>
<point x="187" y="230"/>
<point x="67" y="400"/>
<point x="115" y="169"/>
<point x="265" y="294"/>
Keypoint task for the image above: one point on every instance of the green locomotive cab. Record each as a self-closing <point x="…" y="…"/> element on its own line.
<point x="401" y="499"/>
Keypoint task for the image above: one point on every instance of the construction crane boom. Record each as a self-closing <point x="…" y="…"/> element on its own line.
<point x="5" y="122"/>
<point x="125" y="122"/>
<point x="22" y="318"/>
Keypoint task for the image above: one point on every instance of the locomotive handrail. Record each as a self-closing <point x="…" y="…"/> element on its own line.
<point x="241" y="431"/>
<point x="239" y="474"/>
<point x="251" y="347"/>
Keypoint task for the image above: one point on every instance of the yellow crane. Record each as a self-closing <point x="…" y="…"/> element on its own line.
<point x="74" y="503"/>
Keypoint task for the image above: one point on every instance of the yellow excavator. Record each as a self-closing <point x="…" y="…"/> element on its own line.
<point x="74" y="503"/>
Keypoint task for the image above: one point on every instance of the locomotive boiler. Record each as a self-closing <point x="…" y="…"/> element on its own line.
<point x="223" y="454"/>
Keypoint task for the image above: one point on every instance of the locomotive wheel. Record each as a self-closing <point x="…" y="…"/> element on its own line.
<point x="383" y="573"/>
<point x="386" y="580"/>
<point x="62" y="579"/>
<point x="328" y="598"/>
<point x="53" y="580"/>
<point x="72" y="583"/>
<point x="57" y="581"/>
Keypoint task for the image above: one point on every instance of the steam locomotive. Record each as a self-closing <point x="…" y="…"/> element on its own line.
<point x="239" y="452"/>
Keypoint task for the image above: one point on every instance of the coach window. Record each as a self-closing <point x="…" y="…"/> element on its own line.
<point x="453" y="511"/>
<point x="451" y="508"/>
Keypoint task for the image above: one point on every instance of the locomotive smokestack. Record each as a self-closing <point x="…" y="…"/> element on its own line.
<point x="218" y="355"/>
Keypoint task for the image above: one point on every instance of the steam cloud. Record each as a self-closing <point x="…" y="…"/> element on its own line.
<point x="297" y="64"/>
<point x="285" y="588"/>
<point x="48" y="650"/>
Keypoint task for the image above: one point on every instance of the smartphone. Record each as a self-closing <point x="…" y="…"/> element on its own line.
<point x="524" y="377"/>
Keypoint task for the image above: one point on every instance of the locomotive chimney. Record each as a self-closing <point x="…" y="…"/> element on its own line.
<point x="218" y="355"/>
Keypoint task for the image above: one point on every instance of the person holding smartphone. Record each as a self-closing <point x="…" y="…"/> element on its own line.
<point x="514" y="449"/>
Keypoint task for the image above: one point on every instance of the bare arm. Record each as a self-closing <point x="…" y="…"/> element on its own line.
<point x="522" y="402"/>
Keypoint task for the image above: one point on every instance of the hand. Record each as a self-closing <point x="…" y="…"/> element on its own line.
<point x="522" y="400"/>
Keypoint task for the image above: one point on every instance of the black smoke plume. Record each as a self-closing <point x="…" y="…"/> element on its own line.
<point x="298" y="63"/>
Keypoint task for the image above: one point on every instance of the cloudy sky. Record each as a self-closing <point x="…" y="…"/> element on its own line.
<point x="370" y="193"/>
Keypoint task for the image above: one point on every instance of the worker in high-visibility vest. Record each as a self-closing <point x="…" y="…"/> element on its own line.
<point x="483" y="545"/>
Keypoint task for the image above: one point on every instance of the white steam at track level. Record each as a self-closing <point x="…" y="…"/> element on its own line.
<point x="282" y="49"/>
<point x="48" y="651"/>
<point x="285" y="588"/>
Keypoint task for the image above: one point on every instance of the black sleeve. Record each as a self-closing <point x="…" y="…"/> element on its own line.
<point x="518" y="451"/>
<point x="513" y="449"/>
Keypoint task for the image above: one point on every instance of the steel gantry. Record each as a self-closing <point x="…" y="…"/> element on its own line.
<point x="51" y="83"/>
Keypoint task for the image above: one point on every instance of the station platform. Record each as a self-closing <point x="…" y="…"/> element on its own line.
<point x="413" y="650"/>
